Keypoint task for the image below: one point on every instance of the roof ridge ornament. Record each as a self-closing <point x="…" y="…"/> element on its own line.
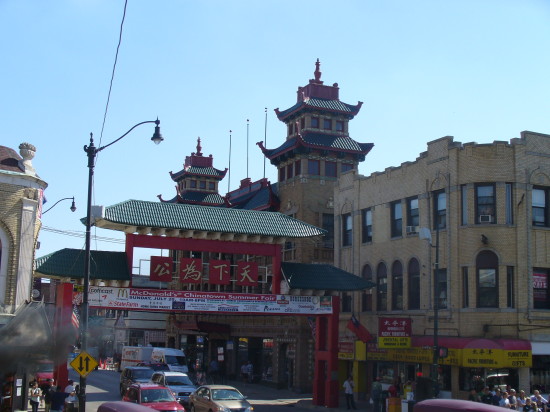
<point x="317" y="72"/>
<point x="199" y="146"/>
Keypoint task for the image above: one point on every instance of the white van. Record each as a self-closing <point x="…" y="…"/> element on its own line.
<point x="174" y="358"/>
<point x="132" y="355"/>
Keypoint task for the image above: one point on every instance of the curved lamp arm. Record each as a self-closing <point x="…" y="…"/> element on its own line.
<point x="73" y="206"/>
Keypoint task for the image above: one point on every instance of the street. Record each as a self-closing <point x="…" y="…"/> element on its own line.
<point x="103" y="386"/>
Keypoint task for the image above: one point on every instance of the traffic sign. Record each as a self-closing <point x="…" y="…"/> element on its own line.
<point x="84" y="363"/>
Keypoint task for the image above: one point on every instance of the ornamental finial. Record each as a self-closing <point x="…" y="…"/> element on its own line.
<point x="317" y="72"/>
<point x="199" y="147"/>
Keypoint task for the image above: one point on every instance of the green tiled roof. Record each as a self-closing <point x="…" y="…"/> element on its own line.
<point x="69" y="263"/>
<point x="322" y="277"/>
<point x="328" y="105"/>
<point x="199" y="171"/>
<point x="141" y="213"/>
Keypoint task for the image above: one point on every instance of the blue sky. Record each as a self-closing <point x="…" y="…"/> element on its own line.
<point x="475" y="70"/>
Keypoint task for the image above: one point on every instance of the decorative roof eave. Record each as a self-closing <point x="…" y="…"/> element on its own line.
<point x="272" y="154"/>
<point x="192" y="234"/>
<point x="302" y="106"/>
<point x="184" y="173"/>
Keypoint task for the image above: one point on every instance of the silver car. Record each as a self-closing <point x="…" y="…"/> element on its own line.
<point x="221" y="398"/>
<point x="178" y="382"/>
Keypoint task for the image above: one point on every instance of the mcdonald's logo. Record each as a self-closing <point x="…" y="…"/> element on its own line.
<point x="123" y="293"/>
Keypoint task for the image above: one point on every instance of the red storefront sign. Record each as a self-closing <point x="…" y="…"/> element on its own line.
<point x="394" y="327"/>
<point x="161" y="269"/>
<point x="219" y="273"/>
<point x="190" y="270"/>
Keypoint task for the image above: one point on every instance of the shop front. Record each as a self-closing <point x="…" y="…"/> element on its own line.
<point x="469" y="363"/>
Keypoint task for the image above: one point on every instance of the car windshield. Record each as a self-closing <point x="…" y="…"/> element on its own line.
<point x="180" y="380"/>
<point x="143" y="373"/>
<point x="226" y="394"/>
<point x="175" y="360"/>
<point x="157" y="395"/>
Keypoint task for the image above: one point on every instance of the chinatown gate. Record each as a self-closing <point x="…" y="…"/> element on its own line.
<point x="221" y="275"/>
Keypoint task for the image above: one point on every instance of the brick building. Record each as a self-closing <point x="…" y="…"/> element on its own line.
<point x="21" y="193"/>
<point x="486" y="209"/>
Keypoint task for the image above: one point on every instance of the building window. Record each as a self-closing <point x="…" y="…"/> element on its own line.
<point x="464" y="204"/>
<point x="315" y="122"/>
<point x="509" y="204"/>
<point x="414" y="284"/>
<point x="540" y="208"/>
<point x="397" y="286"/>
<point x="346" y="166"/>
<point x="289" y="171"/>
<point x="297" y="167"/>
<point x="441" y="288"/>
<point x="485" y="204"/>
<point x="290" y="128"/>
<point x="346" y="302"/>
<point x="313" y="167"/>
<point x="282" y="174"/>
<point x="413" y="218"/>
<point x="396" y="219"/>
<point x="302" y="123"/>
<point x="328" y="225"/>
<point x="487" y="279"/>
<point x="347" y="229"/>
<point x="366" y="225"/>
<point x="202" y="184"/>
<point x="540" y="289"/>
<point x="212" y="185"/>
<point x="327" y="124"/>
<point x="510" y="286"/>
<point x="465" y="290"/>
<point x="193" y="184"/>
<point x="381" y="287"/>
<point x="366" y="297"/>
<point x="339" y="126"/>
<point x="440" y="209"/>
<point x="330" y="169"/>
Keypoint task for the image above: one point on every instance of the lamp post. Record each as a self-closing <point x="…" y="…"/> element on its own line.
<point x="72" y="208"/>
<point x="92" y="152"/>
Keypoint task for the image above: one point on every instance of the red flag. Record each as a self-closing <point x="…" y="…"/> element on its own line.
<point x="360" y="331"/>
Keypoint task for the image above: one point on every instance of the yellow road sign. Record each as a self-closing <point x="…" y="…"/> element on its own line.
<point x="84" y="363"/>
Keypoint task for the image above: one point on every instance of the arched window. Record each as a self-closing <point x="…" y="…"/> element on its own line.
<point x="366" y="296"/>
<point x="487" y="279"/>
<point x="414" y="284"/>
<point x="381" y="287"/>
<point x="397" y="286"/>
<point x="346" y="302"/>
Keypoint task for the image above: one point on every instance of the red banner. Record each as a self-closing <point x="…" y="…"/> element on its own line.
<point x="190" y="270"/>
<point x="219" y="273"/>
<point x="247" y="273"/>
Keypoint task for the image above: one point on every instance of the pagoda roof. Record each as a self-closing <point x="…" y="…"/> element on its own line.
<point x="197" y="198"/>
<point x="263" y="199"/>
<point x="69" y="263"/>
<point x="212" y="172"/>
<point x="319" y="104"/>
<point x="137" y="216"/>
<point x="322" y="277"/>
<point x="318" y="141"/>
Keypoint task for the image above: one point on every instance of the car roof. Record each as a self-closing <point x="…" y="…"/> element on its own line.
<point x="171" y="373"/>
<point x="147" y="385"/>
<point x="146" y="368"/>
<point x="219" y="387"/>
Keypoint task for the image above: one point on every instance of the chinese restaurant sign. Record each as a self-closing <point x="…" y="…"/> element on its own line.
<point x="190" y="271"/>
<point x="191" y="301"/>
<point x="394" y="333"/>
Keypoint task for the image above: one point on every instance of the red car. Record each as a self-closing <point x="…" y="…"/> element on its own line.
<point x="44" y="371"/>
<point x="153" y="396"/>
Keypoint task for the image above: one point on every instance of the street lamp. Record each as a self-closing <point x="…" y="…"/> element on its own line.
<point x="72" y="208"/>
<point x="92" y="152"/>
<point x="424" y="233"/>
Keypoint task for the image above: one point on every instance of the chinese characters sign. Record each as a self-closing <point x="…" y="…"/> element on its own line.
<point x="394" y="333"/>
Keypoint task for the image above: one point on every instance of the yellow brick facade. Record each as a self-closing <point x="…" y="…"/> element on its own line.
<point x="512" y="169"/>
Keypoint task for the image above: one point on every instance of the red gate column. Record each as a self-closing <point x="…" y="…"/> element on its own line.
<point x="325" y="381"/>
<point x="62" y="323"/>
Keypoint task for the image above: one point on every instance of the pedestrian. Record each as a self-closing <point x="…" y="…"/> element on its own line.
<point x="521" y="400"/>
<point x="539" y="400"/>
<point x="250" y="371"/>
<point x="529" y="406"/>
<point x="487" y="396"/>
<point x="504" y="402"/>
<point x="244" y="372"/>
<point x="348" y="390"/>
<point x="34" y="396"/>
<point x="376" y="394"/>
<point x="512" y="398"/>
<point x="473" y="396"/>
<point x="58" y="400"/>
<point x="70" y="386"/>
<point x="47" y="391"/>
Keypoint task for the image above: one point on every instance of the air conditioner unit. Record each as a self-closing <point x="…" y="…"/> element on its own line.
<point x="412" y="230"/>
<point x="485" y="219"/>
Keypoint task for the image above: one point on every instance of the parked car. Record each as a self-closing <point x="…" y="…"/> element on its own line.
<point x="218" y="398"/>
<point x="134" y="374"/>
<point x="153" y="396"/>
<point x="155" y="366"/>
<point x="120" y="406"/>
<point x="178" y="382"/>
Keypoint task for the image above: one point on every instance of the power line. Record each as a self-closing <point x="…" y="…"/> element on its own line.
<point x="74" y="233"/>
